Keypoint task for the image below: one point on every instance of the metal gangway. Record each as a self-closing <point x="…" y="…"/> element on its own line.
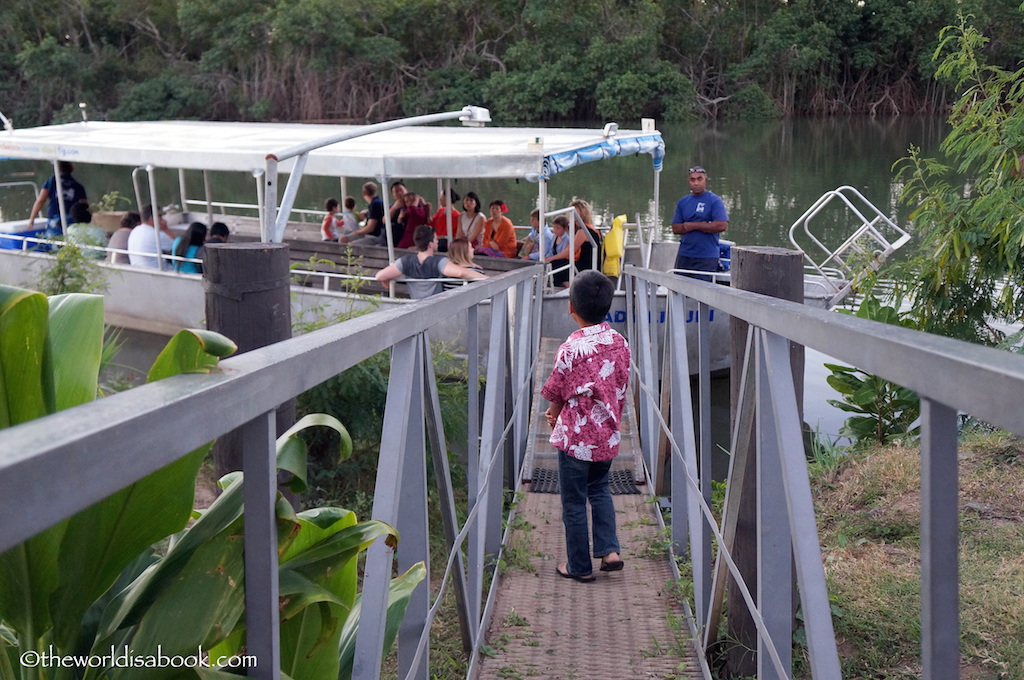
<point x="56" y="466"/>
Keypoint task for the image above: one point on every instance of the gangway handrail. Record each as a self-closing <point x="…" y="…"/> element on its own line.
<point x="950" y="376"/>
<point x="31" y="452"/>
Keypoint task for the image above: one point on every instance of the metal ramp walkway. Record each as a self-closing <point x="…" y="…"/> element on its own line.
<point x="627" y="624"/>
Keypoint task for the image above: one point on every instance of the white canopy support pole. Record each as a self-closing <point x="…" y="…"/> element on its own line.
<point x="150" y="170"/>
<point x="209" y="196"/>
<point x="343" y="185"/>
<point x="542" y="206"/>
<point x="260" y="203"/>
<point x="383" y="181"/>
<point x="572" y="246"/>
<point x="657" y="202"/>
<point x="448" y="208"/>
<point x="58" y="186"/>
<point x="288" y="200"/>
<point x="181" y="192"/>
<point x="138" y="189"/>
<point x="270" y="210"/>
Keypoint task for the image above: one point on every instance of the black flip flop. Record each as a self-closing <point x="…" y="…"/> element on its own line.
<point x="612" y="566"/>
<point x="581" y="579"/>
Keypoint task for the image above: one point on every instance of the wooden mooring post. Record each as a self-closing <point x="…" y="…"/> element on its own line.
<point x="248" y="300"/>
<point x="777" y="272"/>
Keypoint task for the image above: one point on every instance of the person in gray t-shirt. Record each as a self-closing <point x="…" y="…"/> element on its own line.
<point x="425" y="265"/>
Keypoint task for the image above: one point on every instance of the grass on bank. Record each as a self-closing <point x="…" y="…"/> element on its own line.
<point x="869" y="513"/>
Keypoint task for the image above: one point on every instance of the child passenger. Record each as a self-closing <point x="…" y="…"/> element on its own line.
<point x="329" y="225"/>
<point x="587" y="390"/>
<point x="348" y="222"/>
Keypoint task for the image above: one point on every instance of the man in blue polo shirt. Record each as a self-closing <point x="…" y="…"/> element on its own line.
<point x="699" y="218"/>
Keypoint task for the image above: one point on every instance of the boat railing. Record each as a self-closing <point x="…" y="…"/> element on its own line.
<point x="22" y="183"/>
<point x="874" y="240"/>
<point x="42" y="459"/>
<point x="42" y="244"/>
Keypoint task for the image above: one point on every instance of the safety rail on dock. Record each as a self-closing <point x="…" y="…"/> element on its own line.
<point x="950" y="376"/>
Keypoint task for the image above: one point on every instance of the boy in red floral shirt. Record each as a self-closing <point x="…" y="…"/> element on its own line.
<point x="587" y="389"/>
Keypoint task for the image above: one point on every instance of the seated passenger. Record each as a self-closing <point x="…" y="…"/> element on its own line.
<point x="499" y="235"/>
<point x="119" y="239"/>
<point x="219" y="233"/>
<point x="415" y="213"/>
<point x="558" y="250"/>
<point x="329" y="225"/>
<point x="347" y="221"/>
<point x="144" y="240"/>
<point x="425" y="265"/>
<point x="190" y="245"/>
<point x="531" y="244"/>
<point x="462" y="255"/>
<point x="440" y="220"/>
<point x="82" y="232"/>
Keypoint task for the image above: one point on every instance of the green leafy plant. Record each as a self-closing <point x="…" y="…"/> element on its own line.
<point x="71" y="271"/>
<point x="95" y="579"/>
<point x="885" y="411"/>
<point x="110" y="202"/>
<point x="968" y="213"/>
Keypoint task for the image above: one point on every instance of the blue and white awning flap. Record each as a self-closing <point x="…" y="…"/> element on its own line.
<point x="651" y="144"/>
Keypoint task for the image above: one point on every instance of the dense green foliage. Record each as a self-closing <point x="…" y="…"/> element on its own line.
<point x="526" y="60"/>
<point x="970" y="210"/>
<point x="883" y="411"/>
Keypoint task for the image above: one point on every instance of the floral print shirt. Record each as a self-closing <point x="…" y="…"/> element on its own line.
<point x="591" y="377"/>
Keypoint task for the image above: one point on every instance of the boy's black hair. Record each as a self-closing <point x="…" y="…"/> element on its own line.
<point x="591" y="295"/>
<point x="80" y="213"/>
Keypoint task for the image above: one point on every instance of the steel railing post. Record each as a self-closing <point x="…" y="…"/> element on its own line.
<point x="774" y="547"/>
<point x="940" y="522"/>
<point x="262" y="617"/>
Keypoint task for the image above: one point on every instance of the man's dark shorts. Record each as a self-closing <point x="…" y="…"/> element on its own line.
<point x="701" y="264"/>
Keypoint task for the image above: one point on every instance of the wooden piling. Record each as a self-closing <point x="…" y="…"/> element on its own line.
<point x="248" y="300"/>
<point x="777" y="272"/>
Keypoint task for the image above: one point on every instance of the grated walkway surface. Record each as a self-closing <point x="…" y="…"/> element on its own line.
<point x="627" y="624"/>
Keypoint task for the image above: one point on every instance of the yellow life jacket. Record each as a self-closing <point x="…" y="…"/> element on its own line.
<point x="614" y="247"/>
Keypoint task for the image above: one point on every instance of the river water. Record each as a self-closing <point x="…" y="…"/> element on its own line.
<point x="768" y="174"/>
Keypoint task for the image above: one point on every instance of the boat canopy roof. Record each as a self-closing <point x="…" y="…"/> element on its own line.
<point x="532" y="153"/>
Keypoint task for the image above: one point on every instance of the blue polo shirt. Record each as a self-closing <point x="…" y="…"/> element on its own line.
<point x="706" y="207"/>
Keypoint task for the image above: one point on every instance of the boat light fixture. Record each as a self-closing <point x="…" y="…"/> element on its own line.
<point x="475" y="116"/>
<point x="610" y="129"/>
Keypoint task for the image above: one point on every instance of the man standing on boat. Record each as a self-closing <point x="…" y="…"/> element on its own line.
<point x="372" y="231"/>
<point x="72" y="191"/>
<point x="699" y="218"/>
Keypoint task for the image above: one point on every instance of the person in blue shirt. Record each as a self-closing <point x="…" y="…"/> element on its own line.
<point x="699" y="219"/>
<point x="73" y="192"/>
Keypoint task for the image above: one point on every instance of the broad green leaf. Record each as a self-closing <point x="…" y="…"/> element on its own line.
<point x="24" y="319"/>
<point x="342" y="546"/>
<point x="107" y="536"/>
<point x="131" y="603"/>
<point x="74" y="348"/>
<point x="309" y="638"/>
<point x="191" y="351"/>
<point x="30" y="575"/>
<point x="291" y="450"/>
<point x="399" y="593"/>
<point x="198" y="607"/>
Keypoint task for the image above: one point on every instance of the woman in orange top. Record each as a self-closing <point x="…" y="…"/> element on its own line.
<point x="440" y="221"/>
<point x="499" y="235"/>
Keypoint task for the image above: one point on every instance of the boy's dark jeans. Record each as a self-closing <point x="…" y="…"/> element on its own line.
<point x="578" y="482"/>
